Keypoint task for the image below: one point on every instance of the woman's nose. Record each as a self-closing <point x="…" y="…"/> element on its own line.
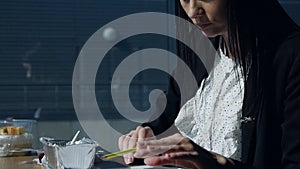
<point x="195" y="9"/>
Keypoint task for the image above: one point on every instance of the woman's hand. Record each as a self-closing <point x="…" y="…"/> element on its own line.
<point x="129" y="141"/>
<point x="180" y="151"/>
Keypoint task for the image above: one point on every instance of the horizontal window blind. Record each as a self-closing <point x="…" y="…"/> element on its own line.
<point x="39" y="44"/>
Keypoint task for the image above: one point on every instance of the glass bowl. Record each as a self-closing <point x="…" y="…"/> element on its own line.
<point x="17" y="143"/>
<point x="26" y="123"/>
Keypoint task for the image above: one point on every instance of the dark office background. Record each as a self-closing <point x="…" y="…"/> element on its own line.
<point x="40" y="41"/>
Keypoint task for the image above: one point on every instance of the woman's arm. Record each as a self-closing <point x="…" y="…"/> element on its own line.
<point x="290" y="77"/>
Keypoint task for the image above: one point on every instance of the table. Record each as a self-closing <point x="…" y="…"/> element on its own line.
<point x="26" y="162"/>
<point x="21" y="162"/>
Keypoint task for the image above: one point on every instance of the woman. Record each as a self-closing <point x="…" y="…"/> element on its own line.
<point x="261" y="44"/>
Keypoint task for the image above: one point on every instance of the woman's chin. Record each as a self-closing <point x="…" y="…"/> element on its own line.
<point x="209" y="34"/>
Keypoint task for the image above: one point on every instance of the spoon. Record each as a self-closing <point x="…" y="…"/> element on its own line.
<point x="74" y="138"/>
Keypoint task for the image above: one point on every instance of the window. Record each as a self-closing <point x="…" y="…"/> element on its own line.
<point x="39" y="44"/>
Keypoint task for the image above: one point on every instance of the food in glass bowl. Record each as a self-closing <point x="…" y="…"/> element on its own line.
<point x="15" y="138"/>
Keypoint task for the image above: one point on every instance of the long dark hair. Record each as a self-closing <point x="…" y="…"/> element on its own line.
<point x="255" y="30"/>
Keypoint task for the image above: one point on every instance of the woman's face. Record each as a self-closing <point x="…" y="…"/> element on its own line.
<point x="209" y="15"/>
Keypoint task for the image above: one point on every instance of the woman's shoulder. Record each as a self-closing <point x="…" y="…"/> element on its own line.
<point x="290" y="47"/>
<point x="292" y="41"/>
<point x="287" y="57"/>
<point x="288" y="53"/>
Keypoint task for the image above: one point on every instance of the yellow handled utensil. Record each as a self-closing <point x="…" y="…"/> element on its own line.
<point x="119" y="153"/>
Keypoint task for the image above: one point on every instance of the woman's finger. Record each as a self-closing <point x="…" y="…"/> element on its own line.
<point x="171" y="140"/>
<point x="125" y="146"/>
<point x="133" y="137"/>
<point x="120" y="142"/>
<point x="175" y="155"/>
<point x="187" y="147"/>
<point x="129" y="142"/>
<point x="162" y="160"/>
<point x="155" y="147"/>
<point x="147" y="151"/>
<point x="145" y="134"/>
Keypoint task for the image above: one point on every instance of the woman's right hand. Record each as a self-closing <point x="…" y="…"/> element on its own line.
<point x="129" y="140"/>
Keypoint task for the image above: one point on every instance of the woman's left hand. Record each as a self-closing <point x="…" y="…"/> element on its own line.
<point x="180" y="151"/>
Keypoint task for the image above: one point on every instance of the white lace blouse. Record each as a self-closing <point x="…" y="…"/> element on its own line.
<point x="212" y="117"/>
